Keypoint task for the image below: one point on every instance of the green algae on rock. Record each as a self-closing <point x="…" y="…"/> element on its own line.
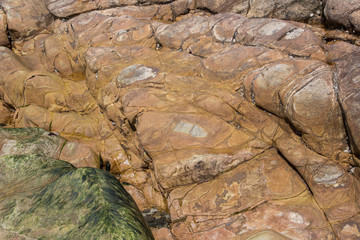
<point x="45" y="198"/>
<point x="38" y="141"/>
<point x="30" y="141"/>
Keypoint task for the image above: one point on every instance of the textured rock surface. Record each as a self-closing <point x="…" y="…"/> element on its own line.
<point x="25" y="17"/>
<point x="347" y="62"/>
<point x="38" y="141"/>
<point x="4" y="40"/>
<point x="221" y="126"/>
<point x="284" y="9"/>
<point x="345" y="13"/>
<point x="42" y="197"/>
<point x="5" y="114"/>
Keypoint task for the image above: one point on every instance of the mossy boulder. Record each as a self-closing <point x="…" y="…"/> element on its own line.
<point x="45" y="198"/>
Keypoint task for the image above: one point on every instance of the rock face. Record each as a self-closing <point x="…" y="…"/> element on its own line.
<point x="25" y="17"/>
<point x="235" y="127"/>
<point x="42" y="197"/>
<point x="4" y="40"/>
<point x="39" y="141"/>
<point x="284" y="9"/>
<point x="348" y="81"/>
<point x="345" y="13"/>
<point x="5" y="114"/>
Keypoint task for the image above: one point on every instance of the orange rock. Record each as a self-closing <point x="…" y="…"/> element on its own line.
<point x="26" y="18"/>
<point x="84" y="156"/>
<point x="162" y="234"/>
<point x="237" y="126"/>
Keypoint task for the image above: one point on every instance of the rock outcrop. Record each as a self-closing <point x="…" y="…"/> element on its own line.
<point x="345" y="13"/>
<point x="237" y="127"/>
<point x="25" y="18"/>
<point x="283" y="9"/>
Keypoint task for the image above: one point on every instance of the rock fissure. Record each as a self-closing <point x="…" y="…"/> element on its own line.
<point x="260" y="125"/>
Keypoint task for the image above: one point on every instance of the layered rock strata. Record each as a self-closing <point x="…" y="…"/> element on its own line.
<point x="239" y="128"/>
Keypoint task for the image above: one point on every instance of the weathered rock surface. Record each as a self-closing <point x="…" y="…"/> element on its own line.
<point x="5" y="114"/>
<point x="347" y="66"/>
<point x="26" y="17"/>
<point x="38" y="141"/>
<point x="239" y="128"/>
<point x="42" y="197"/>
<point x="283" y="9"/>
<point x="345" y="13"/>
<point x="4" y="40"/>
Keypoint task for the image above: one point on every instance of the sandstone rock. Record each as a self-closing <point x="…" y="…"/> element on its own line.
<point x="348" y="80"/>
<point x="27" y="86"/>
<point x="169" y="10"/>
<point x="26" y="18"/>
<point x="283" y="9"/>
<point x="281" y="89"/>
<point x="68" y="8"/>
<point x="85" y="157"/>
<point x="227" y="123"/>
<point x="245" y="193"/>
<point x="162" y="234"/>
<point x="340" y="35"/>
<point x="4" y="40"/>
<point x="345" y="13"/>
<point x="5" y="114"/>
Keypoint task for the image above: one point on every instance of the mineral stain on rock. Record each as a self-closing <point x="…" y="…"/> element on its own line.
<point x="190" y="129"/>
<point x="135" y="73"/>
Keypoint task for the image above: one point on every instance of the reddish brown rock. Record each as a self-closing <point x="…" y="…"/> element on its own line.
<point x="283" y="9"/>
<point x="346" y="58"/>
<point x="68" y="8"/>
<point x="349" y="229"/>
<point x="163" y="10"/>
<point x="345" y="13"/>
<point x="229" y="123"/>
<point x="294" y="39"/>
<point x="282" y="89"/>
<point x="295" y="218"/>
<point x="162" y="234"/>
<point x="85" y="157"/>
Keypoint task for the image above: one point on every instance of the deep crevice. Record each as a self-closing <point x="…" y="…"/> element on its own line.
<point x="150" y="3"/>
<point x="174" y="16"/>
<point x="195" y="55"/>
<point x="293" y="128"/>
<point x="248" y="208"/>
<point x="296" y="170"/>
<point x="11" y="42"/>
<point x="207" y="10"/>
